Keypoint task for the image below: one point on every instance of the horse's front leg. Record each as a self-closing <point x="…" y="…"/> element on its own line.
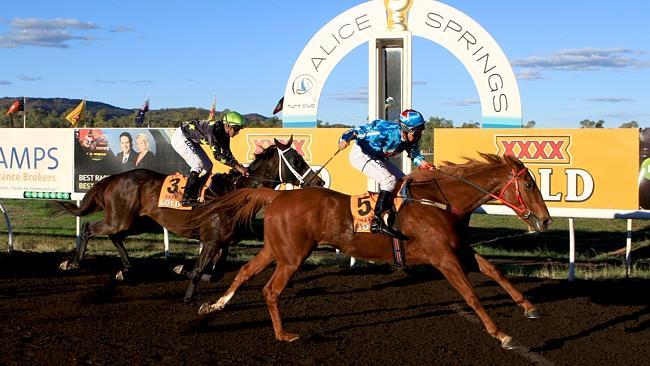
<point x="256" y="265"/>
<point x="490" y="270"/>
<point x="449" y="264"/>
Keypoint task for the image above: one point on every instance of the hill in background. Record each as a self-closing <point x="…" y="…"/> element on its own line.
<point x="51" y="112"/>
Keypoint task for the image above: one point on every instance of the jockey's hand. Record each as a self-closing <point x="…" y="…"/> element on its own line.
<point x="242" y="170"/>
<point x="426" y="166"/>
<point x="343" y="144"/>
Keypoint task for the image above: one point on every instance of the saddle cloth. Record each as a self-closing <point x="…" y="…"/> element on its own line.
<point x="171" y="193"/>
<point x="362" y="208"/>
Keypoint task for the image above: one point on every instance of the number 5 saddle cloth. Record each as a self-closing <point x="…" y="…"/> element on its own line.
<point x="362" y="208"/>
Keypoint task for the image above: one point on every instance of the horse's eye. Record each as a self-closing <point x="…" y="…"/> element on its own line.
<point x="529" y="185"/>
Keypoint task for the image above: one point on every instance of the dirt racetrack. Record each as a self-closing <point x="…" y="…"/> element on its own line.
<point x="372" y="315"/>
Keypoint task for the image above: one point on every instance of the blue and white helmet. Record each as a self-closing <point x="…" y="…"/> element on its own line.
<point x="411" y="119"/>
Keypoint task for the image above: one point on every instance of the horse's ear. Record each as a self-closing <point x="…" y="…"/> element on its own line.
<point x="278" y="143"/>
<point x="513" y="161"/>
<point x="290" y="141"/>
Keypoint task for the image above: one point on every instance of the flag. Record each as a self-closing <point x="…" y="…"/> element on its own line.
<point x="213" y="111"/>
<point x="139" y="119"/>
<point x="77" y="114"/>
<point x="17" y="106"/>
<point x="279" y="106"/>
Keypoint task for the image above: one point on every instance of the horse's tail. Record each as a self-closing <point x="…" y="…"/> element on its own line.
<point x="242" y="204"/>
<point x="93" y="201"/>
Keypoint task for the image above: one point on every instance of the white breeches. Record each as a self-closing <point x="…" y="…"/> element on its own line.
<point x="381" y="171"/>
<point x="193" y="155"/>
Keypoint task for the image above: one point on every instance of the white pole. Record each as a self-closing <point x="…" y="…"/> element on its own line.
<point x="628" y="249"/>
<point x="572" y="250"/>
<point x="78" y="220"/>
<point x="24" y="111"/>
<point x="166" y="240"/>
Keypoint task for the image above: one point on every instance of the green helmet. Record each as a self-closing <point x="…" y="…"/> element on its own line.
<point x="234" y="119"/>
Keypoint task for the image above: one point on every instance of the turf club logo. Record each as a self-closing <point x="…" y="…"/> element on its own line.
<point x="257" y="143"/>
<point x="535" y="149"/>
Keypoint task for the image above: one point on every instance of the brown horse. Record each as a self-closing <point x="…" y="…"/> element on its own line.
<point x="296" y="222"/>
<point x="130" y="204"/>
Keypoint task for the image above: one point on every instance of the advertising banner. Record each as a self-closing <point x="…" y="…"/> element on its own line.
<point x="36" y="163"/>
<point x="100" y="152"/>
<point x="590" y="169"/>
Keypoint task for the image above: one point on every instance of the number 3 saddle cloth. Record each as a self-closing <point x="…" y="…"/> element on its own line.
<point x="172" y="190"/>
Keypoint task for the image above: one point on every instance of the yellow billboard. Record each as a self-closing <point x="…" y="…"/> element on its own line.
<point x="316" y="145"/>
<point x="574" y="168"/>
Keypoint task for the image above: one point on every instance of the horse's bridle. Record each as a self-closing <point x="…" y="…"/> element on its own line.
<point x="521" y="208"/>
<point x="300" y="178"/>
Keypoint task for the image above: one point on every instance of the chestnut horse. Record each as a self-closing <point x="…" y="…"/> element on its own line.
<point x="296" y="222"/>
<point x="130" y="204"/>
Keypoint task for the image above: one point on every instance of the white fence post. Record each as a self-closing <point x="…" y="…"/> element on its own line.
<point x="628" y="249"/>
<point x="166" y="240"/>
<point x="10" y="232"/>
<point x="572" y="250"/>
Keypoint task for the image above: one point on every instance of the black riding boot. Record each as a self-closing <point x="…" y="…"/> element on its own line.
<point x="190" y="196"/>
<point x="378" y="225"/>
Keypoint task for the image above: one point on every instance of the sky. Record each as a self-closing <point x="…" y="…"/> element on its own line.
<point x="574" y="60"/>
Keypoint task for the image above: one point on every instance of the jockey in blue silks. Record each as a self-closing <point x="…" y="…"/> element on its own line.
<point x="376" y="142"/>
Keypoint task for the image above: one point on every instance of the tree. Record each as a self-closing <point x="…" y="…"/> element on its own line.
<point x="471" y="125"/>
<point x="587" y="123"/>
<point x="427" y="135"/>
<point x="530" y="124"/>
<point x="631" y="124"/>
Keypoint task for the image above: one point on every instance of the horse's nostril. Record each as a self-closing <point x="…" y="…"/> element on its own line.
<point x="547" y="222"/>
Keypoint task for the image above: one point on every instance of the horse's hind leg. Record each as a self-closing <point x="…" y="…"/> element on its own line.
<point x="490" y="270"/>
<point x="272" y="291"/>
<point x="124" y="256"/>
<point x="451" y="268"/>
<point x="82" y="244"/>
<point x="256" y="265"/>
<point x="211" y="253"/>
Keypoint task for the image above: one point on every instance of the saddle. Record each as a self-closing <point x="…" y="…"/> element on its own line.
<point x="172" y="190"/>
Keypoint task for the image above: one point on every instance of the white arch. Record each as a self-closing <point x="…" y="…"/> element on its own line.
<point x="472" y="45"/>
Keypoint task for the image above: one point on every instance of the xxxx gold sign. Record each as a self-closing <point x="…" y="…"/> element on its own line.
<point x="535" y="149"/>
<point x="257" y="143"/>
<point x="582" y="168"/>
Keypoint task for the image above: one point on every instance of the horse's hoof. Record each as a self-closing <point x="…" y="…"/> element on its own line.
<point x="67" y="265"/>
<point x="533" y="313"/>
<point x="288" y="337"/>
<point x="205" y="309"/>
<point x="506" y="343"/>
<point x="206" y="277"/>
<point x="119" y="276"/>
<point x="178" y="269"/>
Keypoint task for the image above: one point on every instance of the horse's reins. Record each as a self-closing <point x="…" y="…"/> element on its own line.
<point x="316" y="173"/>
<point x="522" y="209"/>
<point x="514" y="178"/>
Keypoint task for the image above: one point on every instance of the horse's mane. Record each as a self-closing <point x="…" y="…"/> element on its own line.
<point x="262" y="155"/>
<point x="450" y="168"/>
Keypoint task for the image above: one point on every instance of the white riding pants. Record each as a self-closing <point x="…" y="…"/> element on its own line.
<point x="193" y="155"/>
<point x="381" y="171"/>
